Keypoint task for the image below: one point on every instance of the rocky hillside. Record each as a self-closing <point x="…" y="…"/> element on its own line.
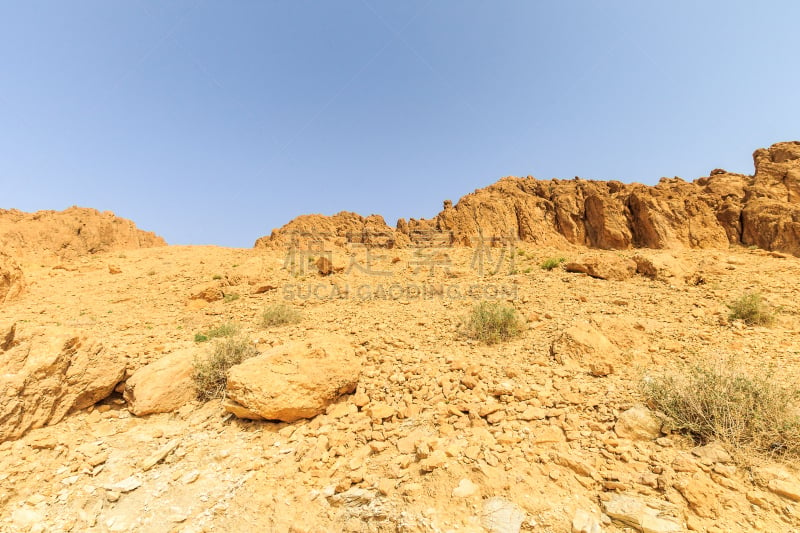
<point x="711" y="212"/>
<point x="381" y="415"/>
<point x="74" y="232"/>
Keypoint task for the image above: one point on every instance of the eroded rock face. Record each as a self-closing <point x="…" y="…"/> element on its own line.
<point x="295" y="380"/>
<point x="710" y="212"/>
<point x="314" y="232"/>
<point x="46" y="373"/>
<point x="74" y="232"/>
<point x="12" y="281"/>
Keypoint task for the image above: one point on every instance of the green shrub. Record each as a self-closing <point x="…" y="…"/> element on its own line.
<point x="211" y="372"/>
<point x="279" y="314"/>
<point x="227" y="329"/>
<point x="751" y="310"/>
<point x="715" y="401"/>
<point x="492" y="322"/>
<point x="552" y="262"/>
<point x="228" y="298"/>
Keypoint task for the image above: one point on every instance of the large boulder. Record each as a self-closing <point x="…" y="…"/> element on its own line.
<point x="12" y="281"/>
<point x="295" y="380"/>
<point x="163" y="386"/>
<point x="663" y="266"/>
<point x="47" y="374"/>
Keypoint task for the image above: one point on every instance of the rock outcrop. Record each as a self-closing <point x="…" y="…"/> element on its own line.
<point x="74" y="232"/>
<point x="312" y="232"/>
<point x="12" y="281"/>
<point x="48" y="373"/>
<point x="711" y="212"/>
<point x="295" y="380"/>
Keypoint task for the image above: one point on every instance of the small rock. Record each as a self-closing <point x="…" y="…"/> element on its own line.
<point x="126" y="485"/>
<point x="502" y="516"/>
<point x="465" y="489"/>
<point x="549" y="434"/>
<point x="379" y="411"/>
<point x="785" y="488"/>
<point x="584" y="522"/>
<point x="712" y="453"/>
<point x="644" y="517"/>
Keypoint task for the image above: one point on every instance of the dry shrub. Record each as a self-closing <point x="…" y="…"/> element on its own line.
<point x="751" y="309"/>
<point x="211" y="372"/>
<point x="279" y="314"/>
<point x="493" y="322"/>
<point x="716" y="401"/>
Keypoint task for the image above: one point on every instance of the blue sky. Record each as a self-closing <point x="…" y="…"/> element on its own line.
<point x="214" y="122"/>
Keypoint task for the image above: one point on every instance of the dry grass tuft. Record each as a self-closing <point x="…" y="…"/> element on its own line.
<point x="716" y="401"/>
<point x="751" y="309"/>
<point x="493" y="322"/>
<point x="279" y="314"/>
<point x="211" y="373"/>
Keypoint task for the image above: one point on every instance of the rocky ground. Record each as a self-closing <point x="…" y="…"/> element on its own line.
<point x="546" y="432"/>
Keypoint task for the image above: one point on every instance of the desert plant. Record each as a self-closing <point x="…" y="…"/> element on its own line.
<point x="751" y="309"/>
<point x="493" y="322"/>
<point x="552" y="262"/>
<point x="715" y="401"/>
<point x="227" y="329"/>
<point x="211" y="372"/>
<point x="230" y="297"/>
<point x="279" y="314"/>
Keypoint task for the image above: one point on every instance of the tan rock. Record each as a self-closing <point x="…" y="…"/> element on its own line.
<point x="12" y="281"/>
<point x="584" y="346"/>
<point x="296" y="380"/>
<point x="701" y="493"/>
<point x="548" y="434"/>
<point x="501" y="516"/>
<point x="74" y="232"/>
<point x="163" y="386"/>
<point x="786" y="488"/>
<point x="319" y="232"/>
<point x="240" y="411"/>
<point x="663" y="267"/>
<point x="585" y="522"/>
<point x="208" y="292"/>
<point x="49" y="373"/>
<point x="606" y="266"/>
<point x="647" y="516"/>
<point x="465" y="489"/>
<point x="379" y="411"/>
<point x="638" y="423"/>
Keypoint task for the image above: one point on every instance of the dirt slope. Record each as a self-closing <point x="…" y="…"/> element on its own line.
<point x="442" y="434"/>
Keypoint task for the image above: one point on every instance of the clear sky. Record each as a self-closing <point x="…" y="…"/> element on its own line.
<point x="214" y="122"/>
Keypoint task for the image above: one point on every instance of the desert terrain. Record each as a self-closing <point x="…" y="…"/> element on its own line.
<point x="403" y="421"/>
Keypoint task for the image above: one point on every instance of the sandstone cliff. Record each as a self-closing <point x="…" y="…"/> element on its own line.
<point x="77" y="231"/>
<point x="710" y="212"/>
